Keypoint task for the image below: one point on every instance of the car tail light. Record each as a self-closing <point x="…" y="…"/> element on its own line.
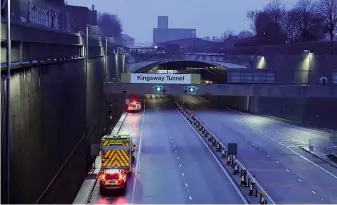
<point x="103" y="179"/>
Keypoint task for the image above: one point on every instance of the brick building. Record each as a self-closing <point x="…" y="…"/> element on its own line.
<point x="81" y="16"/>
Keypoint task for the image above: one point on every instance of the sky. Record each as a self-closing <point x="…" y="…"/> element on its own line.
<point x="209" y="17"/>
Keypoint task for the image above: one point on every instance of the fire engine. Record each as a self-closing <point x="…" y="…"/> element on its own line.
<point x="117" y="159"/>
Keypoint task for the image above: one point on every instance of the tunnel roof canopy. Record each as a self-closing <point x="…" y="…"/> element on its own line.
<point x="207" y="70"/>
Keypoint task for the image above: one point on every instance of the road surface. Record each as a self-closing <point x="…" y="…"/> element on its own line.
<point x="174" y="166"/>
<point x="270" y="149"/>
<point x="132" y="124"/>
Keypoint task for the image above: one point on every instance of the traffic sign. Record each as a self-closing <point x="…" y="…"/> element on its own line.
<point x="161" y="78"/>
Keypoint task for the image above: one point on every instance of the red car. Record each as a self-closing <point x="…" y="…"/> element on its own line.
<point x="134" y="106"/>
<point x="113" y="179"/>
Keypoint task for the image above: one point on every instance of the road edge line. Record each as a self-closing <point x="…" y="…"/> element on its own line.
<point x="138" y="156"/>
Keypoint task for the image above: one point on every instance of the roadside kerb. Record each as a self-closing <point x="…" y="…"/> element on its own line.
<point x="84" y="195"/>
<point x="119" y="124"/>
<point x="246" y="182"/>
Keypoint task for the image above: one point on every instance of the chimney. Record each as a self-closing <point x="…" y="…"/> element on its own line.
<point x="93" y="7"/>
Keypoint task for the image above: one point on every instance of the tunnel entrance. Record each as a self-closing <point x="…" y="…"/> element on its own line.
<point x="210" y="73"/>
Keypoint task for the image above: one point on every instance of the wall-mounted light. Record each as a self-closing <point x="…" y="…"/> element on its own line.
<point x="261" y="62"/>
<point x="306" y="65"/>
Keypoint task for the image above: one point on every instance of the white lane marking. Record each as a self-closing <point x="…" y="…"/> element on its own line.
<point x="190" y="197"/>
<point x="138" y="157"/>
<point x="218" y="162"/>
<point x="326" y="171"/>
<point x="298" y="154"/>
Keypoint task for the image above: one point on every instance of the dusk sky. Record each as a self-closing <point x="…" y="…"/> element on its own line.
<point x="209" y="17"/>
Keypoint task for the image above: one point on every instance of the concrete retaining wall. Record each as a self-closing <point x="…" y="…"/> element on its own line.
<point x="315" y="112"/>
<point x="53" y="107"/>
<point x="32" y="42"/>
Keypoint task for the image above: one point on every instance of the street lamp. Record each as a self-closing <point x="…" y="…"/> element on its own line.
<point x="106" y="59"/>
<point x="8" y="111"/>
<point x="87" y="47"/>
<point x="116" y="52"/>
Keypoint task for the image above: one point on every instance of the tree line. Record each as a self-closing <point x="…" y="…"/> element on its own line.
<point x="110" y="26"/>
<point x="307" y="21"/>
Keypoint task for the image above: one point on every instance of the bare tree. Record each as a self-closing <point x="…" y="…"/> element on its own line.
<point x="289" y="25"/>
<point x="267" y="31"/>
<point x="110" y="26"/>
<point x="245" y="34"/>
<point x="252" y="15"/>
<point x="308" y="22"/>
<point x="277" y="10"/>
<point x="227" y="34"/>
<point x="328" y="10"/>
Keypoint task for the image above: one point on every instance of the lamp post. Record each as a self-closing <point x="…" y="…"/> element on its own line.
<point x="116" y="63"/>
<point x="106" y="59"/>
<point x="29" y="11"/>
<point x="8" y="101"/>
<point x="86" y="47"/>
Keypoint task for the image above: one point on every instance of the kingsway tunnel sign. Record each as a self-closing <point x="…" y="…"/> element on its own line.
<point x="161" y="78"/>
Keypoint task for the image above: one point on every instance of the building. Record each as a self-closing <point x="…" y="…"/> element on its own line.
<point x="198" y="45"/>
<point x="54" y="14"/>
<point x="162" y="33"/>
<point x="80" y="16"/>
<point x="162" y="22"/>
<point x="48" y="13"/>
<point x="128" y="40"/>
